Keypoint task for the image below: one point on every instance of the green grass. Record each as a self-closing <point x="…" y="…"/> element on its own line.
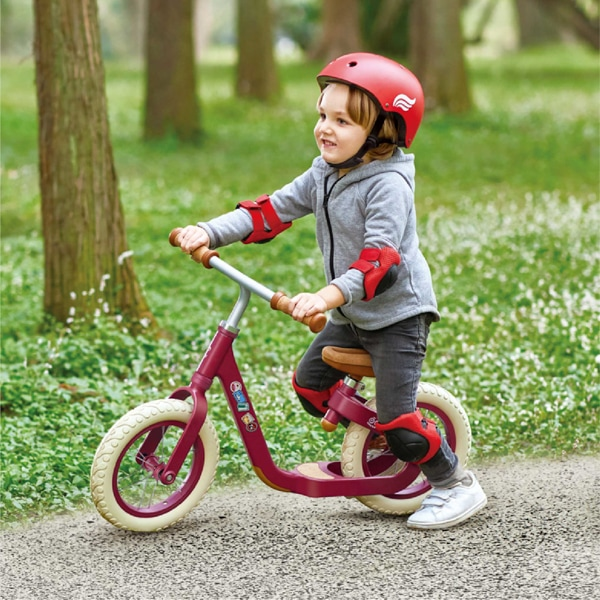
<point x="509" y="218"/>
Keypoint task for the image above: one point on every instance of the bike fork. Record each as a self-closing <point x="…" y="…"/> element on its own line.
<point x="218" y="350"/>
<point x="146" y="456"/>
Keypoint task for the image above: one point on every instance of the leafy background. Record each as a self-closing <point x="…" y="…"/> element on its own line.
<point x="508" y="218"/>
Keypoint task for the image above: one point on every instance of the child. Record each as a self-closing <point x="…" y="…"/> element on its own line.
<point x="361" y="190"/>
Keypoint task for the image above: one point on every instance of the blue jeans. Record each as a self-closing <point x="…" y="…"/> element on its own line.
<point x="397" y="353"/>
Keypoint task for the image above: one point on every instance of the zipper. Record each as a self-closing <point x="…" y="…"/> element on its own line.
<point x="326" y="196"/>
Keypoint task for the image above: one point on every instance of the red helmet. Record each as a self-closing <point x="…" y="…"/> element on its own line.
<point x="393" y="87"/>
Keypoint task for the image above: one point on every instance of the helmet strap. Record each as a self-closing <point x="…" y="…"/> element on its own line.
<point x="371" y="142"/>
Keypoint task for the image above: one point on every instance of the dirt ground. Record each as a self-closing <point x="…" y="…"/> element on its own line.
<point x="538" y="538"/>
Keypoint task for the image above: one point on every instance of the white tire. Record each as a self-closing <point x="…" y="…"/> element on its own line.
<point x="435" y="403"/>
<point x="125" y="493"/>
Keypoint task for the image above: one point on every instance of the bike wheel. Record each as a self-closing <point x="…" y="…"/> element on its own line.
<point x="359" y="460"/>
<point x="124" y="486"/>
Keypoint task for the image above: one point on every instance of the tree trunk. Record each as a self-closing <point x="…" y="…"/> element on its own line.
<point x="6" y="36"/>
<point x="135" y="26"/>
<point x="341" y="30"/>
<point x="256" y="69"/>
<point x="569" y="15"/>
<point x="385" y="34"/>
<point x="483" y="21"/>
<point x="437" y="57"/>
<point x="87" y="265"/>
<point x="203" y="24"/>
<point x="536" y="26"/>
<point x="172" y="106"/>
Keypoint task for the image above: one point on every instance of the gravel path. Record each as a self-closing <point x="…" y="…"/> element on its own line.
<point x="538" y="538"/>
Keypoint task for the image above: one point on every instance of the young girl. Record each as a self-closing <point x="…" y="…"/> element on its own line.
<point x="361" y="191"/>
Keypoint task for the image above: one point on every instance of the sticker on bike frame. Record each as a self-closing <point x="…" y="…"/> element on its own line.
<point x="238" y="394"/>
<point x="250" y="422"/>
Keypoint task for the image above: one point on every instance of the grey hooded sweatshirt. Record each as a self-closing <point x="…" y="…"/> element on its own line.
<point x="372" y="206"/>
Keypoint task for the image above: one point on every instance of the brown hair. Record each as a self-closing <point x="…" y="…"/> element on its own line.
<point x="363" y="110"/>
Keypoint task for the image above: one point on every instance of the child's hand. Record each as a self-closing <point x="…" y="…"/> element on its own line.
<point x="192" y="237"/>
<point x="307" y="305"/>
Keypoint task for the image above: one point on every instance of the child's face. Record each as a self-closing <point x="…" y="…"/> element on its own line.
<point x="338" y="137"/>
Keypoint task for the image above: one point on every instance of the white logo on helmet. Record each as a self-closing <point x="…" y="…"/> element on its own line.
<point x="403" y="102"/>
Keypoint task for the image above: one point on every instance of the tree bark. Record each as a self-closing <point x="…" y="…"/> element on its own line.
<point x="437" y="56"/>
<point x="536" y="26"/>
<point x="135" y="27"/>
<point x="384" y="27"/>
<point x="171" y="106"/>
<point x="257" y="75"/>
<point x="568" y="14"/>
<point x="87" y="264"/>
<point x="341" y="30"/>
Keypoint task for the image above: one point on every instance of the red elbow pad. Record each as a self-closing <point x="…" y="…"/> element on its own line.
<point x="266" y="223"/>
<point x="380" y="269"/>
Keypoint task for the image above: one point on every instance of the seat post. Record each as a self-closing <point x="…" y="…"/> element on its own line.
<point x="331" y="419"/>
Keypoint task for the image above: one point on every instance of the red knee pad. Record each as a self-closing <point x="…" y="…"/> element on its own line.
<point x="416" y="423"/>
<point x="317" y="399"/>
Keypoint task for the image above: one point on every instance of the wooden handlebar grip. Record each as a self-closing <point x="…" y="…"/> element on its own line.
<point x="281" y="302"/>
<point x="173" y="237"/>
<point x="200" y="255"/>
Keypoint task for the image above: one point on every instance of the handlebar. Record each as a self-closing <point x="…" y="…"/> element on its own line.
<point x="277" y="300"/>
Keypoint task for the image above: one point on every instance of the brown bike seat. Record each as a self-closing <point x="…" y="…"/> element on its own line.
<point x="353" y="361"/>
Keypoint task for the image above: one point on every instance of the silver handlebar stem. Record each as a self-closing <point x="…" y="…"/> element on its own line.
<point x="247" y="286"/>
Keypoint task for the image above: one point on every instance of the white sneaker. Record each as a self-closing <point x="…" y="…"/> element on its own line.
<point x="448" y="507"/>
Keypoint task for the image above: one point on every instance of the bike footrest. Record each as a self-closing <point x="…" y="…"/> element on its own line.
<point x="313" y="470"/>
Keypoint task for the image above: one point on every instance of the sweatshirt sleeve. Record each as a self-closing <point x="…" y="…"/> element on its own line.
<point x="295" y="199"/>
<point x="290" y="202"/>
<point x="388" y="210"/>
<point x="228" y="228"/>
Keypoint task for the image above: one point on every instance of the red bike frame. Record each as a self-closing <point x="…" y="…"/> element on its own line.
<point x="219" y="362"/>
